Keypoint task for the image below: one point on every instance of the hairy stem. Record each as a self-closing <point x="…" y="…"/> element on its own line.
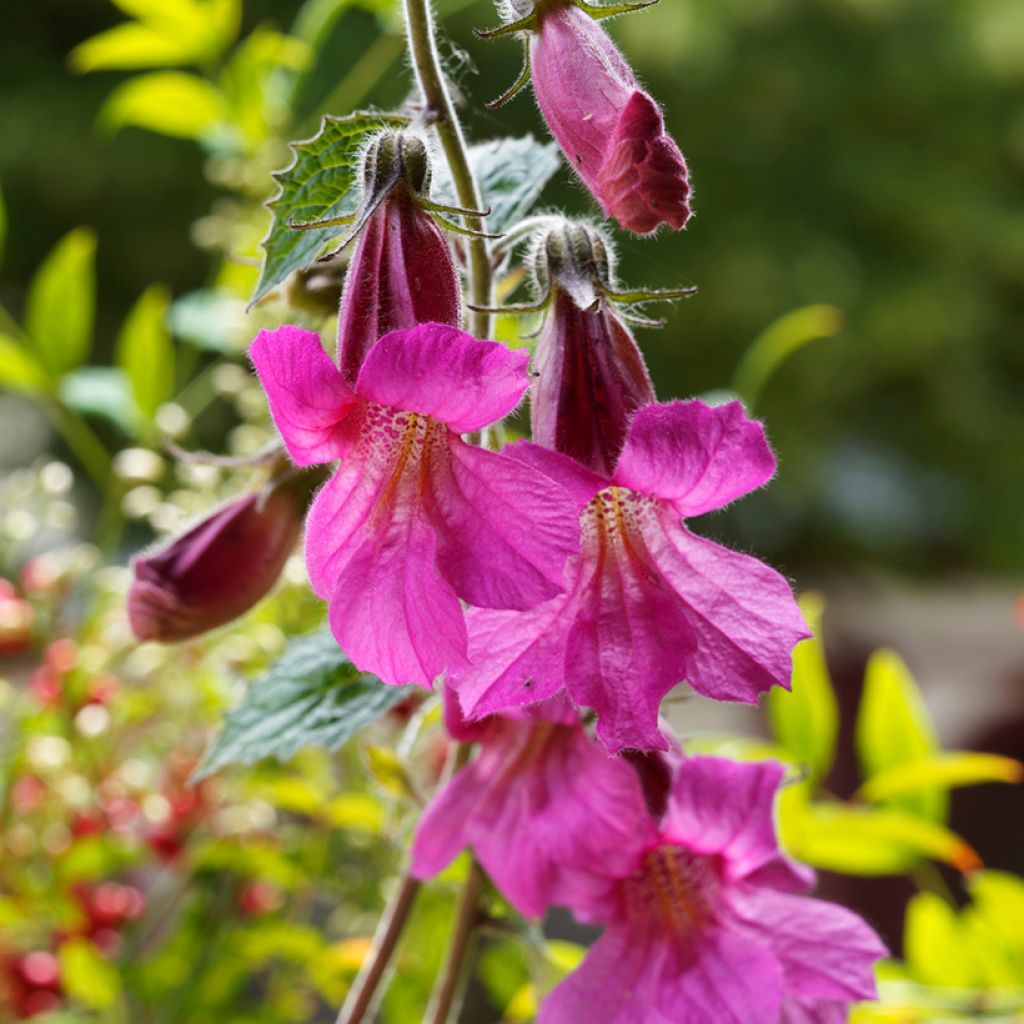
<point x="452" y="983"/>
<point x="440" y="111"/>
<point x="364" y="988"/>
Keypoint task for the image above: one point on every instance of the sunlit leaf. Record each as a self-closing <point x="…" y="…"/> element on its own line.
<point x="210" y="319"/>
<point x="941" y="771"/>
<point x="169" y="102"/>
<point x="19" y="368"/>
<point x="312" y="696"/>
<point x="870" y="841"/>
<point x="86" y="976"/>
<point x="993" y="926"/>
<point x="386" y="767"/>
<point x="894" y="728"/>
<point x="317" y="185"/>
<point x="145" y="351"/>
<point x="102" y="391"/>
<point x="61" y="303"/>
<point x="777" y="342"/>
<point x="932" y="942"/>
<point x="511" y="174"/>
<point x="806" y="720"/>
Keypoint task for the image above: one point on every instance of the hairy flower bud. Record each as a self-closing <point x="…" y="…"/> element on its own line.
<point x="218" y="569"/>
<point x="401" y="273"/>
<point x="592" y="377"/>
<point x="612" y="132"/>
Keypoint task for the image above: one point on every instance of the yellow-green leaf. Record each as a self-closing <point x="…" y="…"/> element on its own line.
<point x="941" y="771"/>
<point x="19" y="368"/>
<point x="894" y="728"/>
<point x="145" y="351"/>
<point x="86" y="976"/>
<point x="61" y="303"/>
<point x="871" y="841"/>
<point x="806" y="719"/>
<point x="932" y="942"/>
<point x="170" y="102"/>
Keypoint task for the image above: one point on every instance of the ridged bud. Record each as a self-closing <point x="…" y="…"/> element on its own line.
<point x="401" y="273"/>
<point x="220" y="567"/>
<point x="591" y="375"/>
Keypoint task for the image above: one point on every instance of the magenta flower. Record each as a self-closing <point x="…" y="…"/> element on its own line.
<point x="649" y="603"/>
<point x="611" y="131"/>
<point x="706" y="926"/>
<point x="401" y="273"/>
<point x="541" y="797"/>
<point x="219" y="568"/>
<point x="415" y="518"/>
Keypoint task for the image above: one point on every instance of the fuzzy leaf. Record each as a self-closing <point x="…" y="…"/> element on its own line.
<point x="145" y="351"/>
<point x="511" y="174"/>
<point x="61" y="303"/>
<point x="313" y="696"/>
<point x="317" y="185"/>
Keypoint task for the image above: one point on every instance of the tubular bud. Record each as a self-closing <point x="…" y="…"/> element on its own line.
<point x="219" y="568"/>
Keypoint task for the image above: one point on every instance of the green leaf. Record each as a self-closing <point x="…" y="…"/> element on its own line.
<point x="932" y="942"/>
<point x="317" y="185"/>
<point x="102" y="391"/>
<point x="871" y="841"/>
<point x="894" y="728"/>
<point x="86" y="976"/>
<point x="511" y="174"/>
<point x="61" y="303"/>
<point x="145" y="351"/>
<point x="169" y="102"/>
<point x="3" y="223"/>
<point x="210" y="319"/>
<point x="942" y="771"/>
<point x="777" y="342"/>
<point x="19" y="369"/>
<point x="168" y="32"/>
<point x="313" y="696"/>
<point x="805" y="721"/>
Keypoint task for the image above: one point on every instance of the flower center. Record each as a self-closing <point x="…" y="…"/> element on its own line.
<point x="672" y="887"/>
<point x="612" y="520"/>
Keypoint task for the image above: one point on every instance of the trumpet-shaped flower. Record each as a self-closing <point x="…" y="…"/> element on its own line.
<point x="415" y="518"/>
<point x="649" y="604"/>
<point x="612" y="132"/>
<point x="706" y="924"/>
<point x="540" y="797"/>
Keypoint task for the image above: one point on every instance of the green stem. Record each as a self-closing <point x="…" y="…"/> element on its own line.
<point x="452" y="984"/>
<point x="389" y="931"/>
<point x="81" y="439"/>
<point x="440" y="112"/>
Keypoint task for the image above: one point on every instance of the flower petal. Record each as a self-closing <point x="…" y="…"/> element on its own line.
<point x="575" y="478"/>
<point x="826" y="951"/>
<point x="307" y="394"/>
<point x="727" y="808"/>
<point x="743" y="613"/>
<point x="813" y="1011"/>
<point x="697" y="456"/>
<point x="442" y="372"/>
<point x="504" y="530"/>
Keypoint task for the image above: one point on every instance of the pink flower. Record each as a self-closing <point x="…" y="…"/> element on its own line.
<point x="539" y="798"/>
<point x="648" y="603"/>
<point x="611" y="131"/>
<point x="706" y="926"/>
<point x="415" y="518"/>
<point x="218" y="569"/>
<point x="401" y="273"/>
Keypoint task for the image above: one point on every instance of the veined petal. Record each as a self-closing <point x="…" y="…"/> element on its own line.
<point x="697" y="456"/>
<point x="504" y="530"/>
<point x="442" y="372"/>
<point x="307" y="394"/>
<point x="726" y="807"/>
<point x="743" y="613"/>
<point x="826" y="951"/>
<point x="581" y="483"/>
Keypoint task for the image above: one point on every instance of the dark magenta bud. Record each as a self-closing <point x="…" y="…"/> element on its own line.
<point x="219" y="568"/>
<point x="401" y="273"/>
<point x="591" y="375"/>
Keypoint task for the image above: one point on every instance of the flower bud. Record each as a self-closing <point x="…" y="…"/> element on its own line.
<point x="612" y="132"/>
<point x="218" y="569"/>
<point x="401" y="273"/>
<point x="592" y="377"/>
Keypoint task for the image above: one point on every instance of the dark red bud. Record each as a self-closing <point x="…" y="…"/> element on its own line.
<point x="218" y="569"/>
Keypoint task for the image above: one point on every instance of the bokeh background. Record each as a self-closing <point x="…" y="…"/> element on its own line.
<point x="859" y="174"/>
